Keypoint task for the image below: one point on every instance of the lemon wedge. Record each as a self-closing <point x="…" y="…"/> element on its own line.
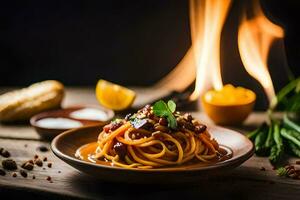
<point x="114" y="96"/>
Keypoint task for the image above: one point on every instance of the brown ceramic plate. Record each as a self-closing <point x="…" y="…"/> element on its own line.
<point x="49" y="133"/>
<point x="65" y="145"/>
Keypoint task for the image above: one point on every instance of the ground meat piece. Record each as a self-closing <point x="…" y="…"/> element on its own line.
<point x="120" y="150"/>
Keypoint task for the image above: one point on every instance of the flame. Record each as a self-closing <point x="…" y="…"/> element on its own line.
<point x="255" y="37"/>
<point x="207" y="18"/>
<point x="202" y="61"/>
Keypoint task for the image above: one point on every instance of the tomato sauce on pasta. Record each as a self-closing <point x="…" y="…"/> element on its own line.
<point x="144" y="140"/>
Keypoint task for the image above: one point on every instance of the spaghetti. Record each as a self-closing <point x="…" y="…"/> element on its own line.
<point x="145" y="140"/>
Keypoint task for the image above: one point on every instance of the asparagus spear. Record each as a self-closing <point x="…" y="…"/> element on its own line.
<point x="269" y="141"/>
<point x="291" y="135"/>
<point x="290" y="123"/>
<point x="281" y="95"/>
<point x="277" y="149"/>
<point x="293" y="148"/>
<point x="252" y="135"/>
<point x="259" y="142"/>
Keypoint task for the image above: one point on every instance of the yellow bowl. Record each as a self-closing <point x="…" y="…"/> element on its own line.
<point x="228" y="114"/>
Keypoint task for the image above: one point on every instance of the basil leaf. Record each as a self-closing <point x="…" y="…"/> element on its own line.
<point x="161" y="109"/>
<point x="172" y="122"/>
<point x="172" y="106"/>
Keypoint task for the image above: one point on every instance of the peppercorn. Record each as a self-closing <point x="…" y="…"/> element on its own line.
<point x="23" y="173"/>
<point x="9" y="164"/>
<point x="5" y="153"/>
<point x="27" y="165"/>
<point x="39" y="162"/>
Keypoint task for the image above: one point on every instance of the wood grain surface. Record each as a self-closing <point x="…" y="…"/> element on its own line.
<point x="245" y="182"/>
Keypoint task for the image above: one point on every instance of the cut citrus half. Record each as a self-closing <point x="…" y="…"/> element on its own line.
<point x="114" y="96"/>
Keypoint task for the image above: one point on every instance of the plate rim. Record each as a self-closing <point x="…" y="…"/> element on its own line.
<point x="219" y="165"/>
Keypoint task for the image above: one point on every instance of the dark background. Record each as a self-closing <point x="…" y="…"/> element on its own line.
<point x="78" y="42"/>
<point x="128" y="42"/>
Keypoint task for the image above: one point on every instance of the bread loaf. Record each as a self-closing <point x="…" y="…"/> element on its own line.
<point x="20" y="105"/>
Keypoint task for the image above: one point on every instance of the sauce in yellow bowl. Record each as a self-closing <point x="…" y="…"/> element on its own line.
<point x="228" y="106"/>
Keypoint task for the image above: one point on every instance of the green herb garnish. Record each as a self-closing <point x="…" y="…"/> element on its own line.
<point x="172" y="105"/>
<point x="161" y="109"/>
<point x="281" y="171"/>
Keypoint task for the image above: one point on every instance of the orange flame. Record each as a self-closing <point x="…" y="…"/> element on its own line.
<point x="207" y="18"/>
<point x="255" y="37"/>
<point x="202" y="61"/>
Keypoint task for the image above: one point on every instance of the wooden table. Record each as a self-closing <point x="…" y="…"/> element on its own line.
<point x="245" y="182"/>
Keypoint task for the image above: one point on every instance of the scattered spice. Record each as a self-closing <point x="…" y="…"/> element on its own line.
<point x="39" y="162"/>
<point x="23" y="173"/>
<point x="27" y="165"/>
<point x="4" y="153"/>
<point x="9" y="164"/>
<point x="43" y="148"/>
<point x="2" y="172"/>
